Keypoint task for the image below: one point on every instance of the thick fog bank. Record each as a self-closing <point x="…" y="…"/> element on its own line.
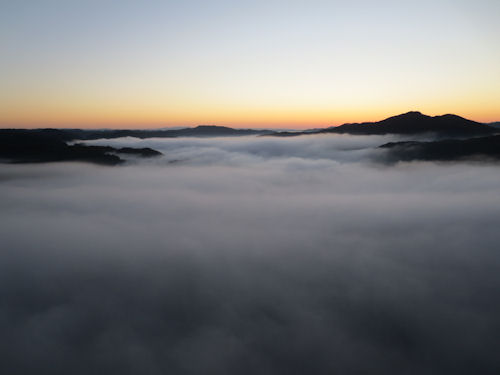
<point x="257" y="149"/>
<point x="250" y="257"/>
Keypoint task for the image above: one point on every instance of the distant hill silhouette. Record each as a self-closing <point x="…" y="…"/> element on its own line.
<point x="212" y="130"/>
<point x="416" y="122"/>
<point x="46" y="145"/>
<point x="409" y="123"/>
<point x="445" y="150"/>
<point x="199" y="131"/>
<point x="494" y="124"/>
<point x="31" y="146"/>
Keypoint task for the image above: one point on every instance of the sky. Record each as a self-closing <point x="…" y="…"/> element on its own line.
<point x="290" y="64"/>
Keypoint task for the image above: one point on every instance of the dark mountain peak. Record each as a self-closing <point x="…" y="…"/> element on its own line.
<point x="413" y="122"/>
<point x="452" y="117"/>
<point x="409" y="115"/>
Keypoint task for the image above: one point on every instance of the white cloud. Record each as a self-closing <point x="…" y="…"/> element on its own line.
<point x="254" y="255"/>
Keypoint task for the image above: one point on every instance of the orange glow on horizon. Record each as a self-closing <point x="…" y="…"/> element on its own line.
<point x="137" y="119"/>
<point x="98" y="109"/>
<point x="174" y="66"/>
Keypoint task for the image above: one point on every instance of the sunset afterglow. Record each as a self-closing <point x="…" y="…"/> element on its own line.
<point x="245" y="64"/>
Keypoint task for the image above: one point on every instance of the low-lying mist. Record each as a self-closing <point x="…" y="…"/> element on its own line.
<point x="251" y="255"/>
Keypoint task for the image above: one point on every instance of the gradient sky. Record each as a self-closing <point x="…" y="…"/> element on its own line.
<point x="245" y="63"/>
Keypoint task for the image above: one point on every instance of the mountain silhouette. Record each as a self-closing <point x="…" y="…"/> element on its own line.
<point x="479" y="148"/>
<point x="408" y="123"/>
<point x="32" y="146"/>
<point x="48" y="145"/>
<point x="45" y="145"/>
<point x="416" y="122"/>
<point x="198" y="131"/>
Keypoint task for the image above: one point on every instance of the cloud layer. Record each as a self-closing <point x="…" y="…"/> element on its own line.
<point x="250" y="255"/>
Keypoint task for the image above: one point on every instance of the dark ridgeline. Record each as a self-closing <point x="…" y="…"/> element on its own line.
<point x="38" y="146"/>
<point x="416" y="122"/>
<point x="50" y="145"/>
<point x="47" y="145"/>
<point x="408" y="123"/>
<point x="480" y="148"/>
<point x="214" y="131"/>
<point x="199" y="131"/>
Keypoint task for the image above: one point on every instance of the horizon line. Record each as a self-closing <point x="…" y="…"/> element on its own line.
<point x="280" y="126"/>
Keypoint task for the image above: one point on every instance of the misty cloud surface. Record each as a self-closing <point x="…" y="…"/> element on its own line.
<point x="252" y="255"/>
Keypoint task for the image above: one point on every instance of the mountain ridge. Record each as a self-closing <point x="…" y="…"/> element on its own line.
<point x="26" y="146"/>
<point x="413" y="122"/>
<point x="477" y="148"/>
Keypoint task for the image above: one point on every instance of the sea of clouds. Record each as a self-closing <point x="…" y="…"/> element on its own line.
<point x="250" y="255"/>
